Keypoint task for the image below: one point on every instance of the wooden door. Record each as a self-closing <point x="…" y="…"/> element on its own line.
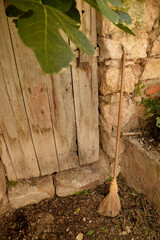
<point x="48" y="123"/>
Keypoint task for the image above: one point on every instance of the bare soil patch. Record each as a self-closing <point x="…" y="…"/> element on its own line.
<point x="65" y="218"/>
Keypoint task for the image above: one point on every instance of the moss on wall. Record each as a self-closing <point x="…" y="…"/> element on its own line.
<point x="136" y="10"/>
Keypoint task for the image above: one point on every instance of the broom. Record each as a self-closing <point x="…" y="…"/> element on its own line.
<point x="111" y="205"/>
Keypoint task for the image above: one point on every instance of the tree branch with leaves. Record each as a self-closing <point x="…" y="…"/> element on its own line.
<point x="39" y="24"/>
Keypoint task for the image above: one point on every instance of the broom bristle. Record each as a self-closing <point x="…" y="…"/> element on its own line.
<point x="111" y="205"/>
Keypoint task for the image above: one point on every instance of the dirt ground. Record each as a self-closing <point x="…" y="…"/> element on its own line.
<point x="76" y="217"/>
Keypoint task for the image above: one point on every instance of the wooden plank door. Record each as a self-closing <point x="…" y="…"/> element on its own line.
<point x="15" y="130"/>
<point x="85" y="85"/>
<point x="7" y="161"/>
<point x="49" y="123"/>
<point x="63" y="116"/>
<point x="36" y="99"/>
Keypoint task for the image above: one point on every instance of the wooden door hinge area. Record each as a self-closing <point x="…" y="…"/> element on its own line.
<point x="97" y="52"/>
<point x="84" y="58"/>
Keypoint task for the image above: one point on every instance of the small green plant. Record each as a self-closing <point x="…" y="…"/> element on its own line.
<point x="139" y="86"/>
<point x="146" y="231"/>
<point x="152" y="106"/>
<point x="110" y="179"/>
<point x="85" y="193"/>
<point x="104" y="229"/>
<point x="90" y="232"/>
<point x="134" y="194"/>
<point x="12" y="183"/>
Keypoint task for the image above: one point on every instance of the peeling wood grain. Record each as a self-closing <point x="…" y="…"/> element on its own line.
<point x="63" y="115"/>
<point x="13" y="119"/>
<point x="86" y="92"/>
<point x="44" y="117"/>
<point x="33" y="83"/>
<point x="6" y="159"/>
<point x="86" y="102"/>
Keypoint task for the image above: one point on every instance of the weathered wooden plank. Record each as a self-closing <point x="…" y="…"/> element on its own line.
<point x="13" y="119"/>
<point x="86" y="113"/>
<point x="33" y="83"/>
<point x="63" y="116"/>
<point x="6" y="159"/>
<point x="85" y="85"/>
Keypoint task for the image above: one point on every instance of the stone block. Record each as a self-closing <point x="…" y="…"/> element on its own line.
<point x="143" y="15"/>
<point x="109" y="112"/>
<point x="114" y="63"/>
<point x="135" y="47"/>
<point x="141" y="168"/>
<point x="112" y="98"/>
<point x="109" y="143"/>
<point x="112" y="48"/>
<point x="109" y="49"/>
<point x="156" y="47"/>
<point x="105" y="28"/>
<point x="151" y="69"/>
<point x="153" y="89"/>
<point x="150" y="15"/>
<point x="31" y="191"/>
<point x="115" y="97"/>
<point x="110" y="80"/>
<point x="3" y="189"/>
<point x="76" y="180"/>
<point x="138" y="99"/>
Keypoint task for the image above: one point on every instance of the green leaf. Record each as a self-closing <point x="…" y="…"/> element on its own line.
<point x="73" y="13"/>
<point x="107" y="11"/>
<point x="125" y="29"/>
<point x="110" y="179"/>
<point x="77" y="193"/>
<point x="93" y="4"/>
<point x="157" y="125"/>
<point x="12" y="11"/>
<point x="41" y="33"/>
<point x="12" y="183"/>
<point x="158" y="119"/>
<point x="138" y="89"/>
<point x="134" y="194"/>
<point x="148" y="109"/>
<point x="116" y="3"/>
<point x="104" y="228"/>
<point x="90" y="232"/>
<point x="117" y="225"/>
<point x="138" y="84"/>
<point x="158" y="122"/>
<point x="124" y="17"/>
<point x="85" y="193"/>
<point x="99" y="7"/>
<point x="150" y="115"/>
<point x="138" y="103"/>
<point x="61" y="5"/>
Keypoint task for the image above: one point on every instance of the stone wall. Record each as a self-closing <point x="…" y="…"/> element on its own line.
<point x="140" y="166"/>
<point x="143" y="64"/>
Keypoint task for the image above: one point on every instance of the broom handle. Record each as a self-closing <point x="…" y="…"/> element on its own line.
<point x="119" y="116"/>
